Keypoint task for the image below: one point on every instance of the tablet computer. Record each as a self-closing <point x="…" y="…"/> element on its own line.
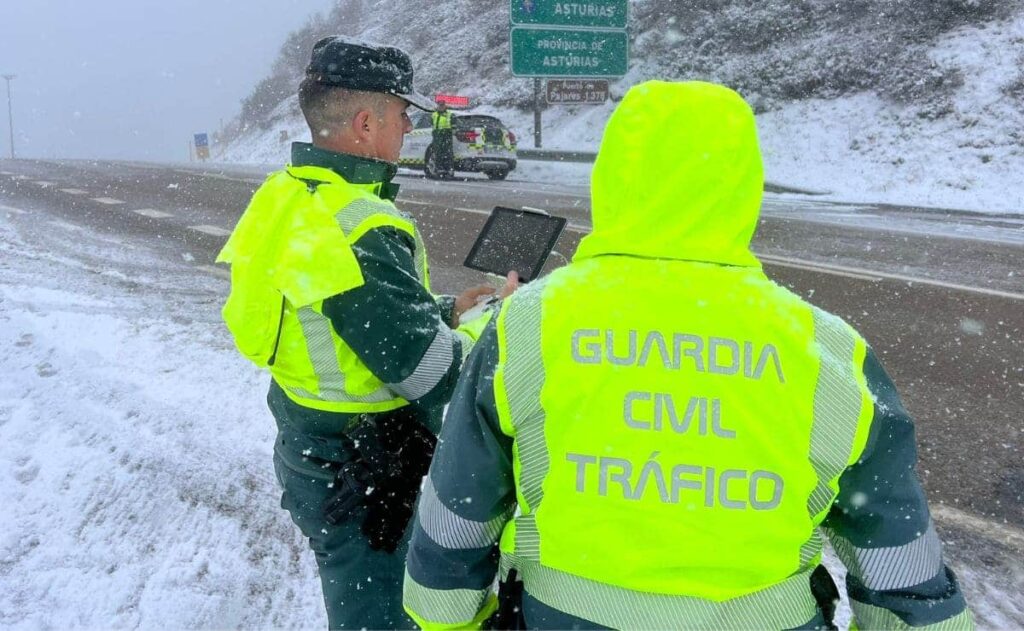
<point x="515" y="239"/>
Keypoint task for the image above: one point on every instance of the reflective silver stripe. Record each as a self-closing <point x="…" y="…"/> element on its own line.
<point x="786" y="605"/>
<point x="442" y="606"/>
<point x="837" y="405"/>
<point x="523" y="380"/>
<point x="432" y="368"/>
<point x="451" y="531"/>
<point x="870" y="617"/>
<point x="359" y="210"/>
<point x="467" y="343"/>
<point x="895" y="567"/>
<point x="316" y="328"/>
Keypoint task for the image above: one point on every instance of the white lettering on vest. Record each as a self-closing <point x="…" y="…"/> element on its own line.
<point x="715" y="355"/>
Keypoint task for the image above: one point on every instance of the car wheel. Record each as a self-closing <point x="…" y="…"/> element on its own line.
<point x="500" y="174"/>
<point x="430" y="165"/>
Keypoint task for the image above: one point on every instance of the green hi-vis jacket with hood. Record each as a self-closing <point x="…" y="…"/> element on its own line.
<point x="330" y="291"/>
<point x="655" y="435"/>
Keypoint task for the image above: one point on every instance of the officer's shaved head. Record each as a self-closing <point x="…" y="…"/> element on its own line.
<point x="329" y="109"/>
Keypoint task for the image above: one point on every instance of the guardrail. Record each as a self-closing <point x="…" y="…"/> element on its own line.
<point x="554" y="155"/>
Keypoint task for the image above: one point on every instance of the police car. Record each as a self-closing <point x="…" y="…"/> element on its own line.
<point x="480" y="143"/>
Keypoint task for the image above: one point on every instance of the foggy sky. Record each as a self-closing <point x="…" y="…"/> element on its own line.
<point x="133" y="79"/>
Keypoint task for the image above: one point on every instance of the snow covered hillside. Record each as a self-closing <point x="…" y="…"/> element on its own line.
<point x="862" y="102"/>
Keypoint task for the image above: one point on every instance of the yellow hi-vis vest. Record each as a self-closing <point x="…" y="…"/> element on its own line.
<point x="441" y="120"/>
<point x="680" y="422"/>
<point x="291" y="250"/>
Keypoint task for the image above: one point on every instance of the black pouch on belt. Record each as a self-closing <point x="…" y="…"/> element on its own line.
<point x="509" y="614"/>
<point x="390" y="505"/>
<point x="393" y="454"/>
<point x="355" y="480"/>
<point x="826" y="593"/>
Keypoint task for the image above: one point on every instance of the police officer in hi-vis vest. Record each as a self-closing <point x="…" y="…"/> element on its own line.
<point x="443" y="143"/>
<point x="657" y="435"/>
<point x="330" y="291"/>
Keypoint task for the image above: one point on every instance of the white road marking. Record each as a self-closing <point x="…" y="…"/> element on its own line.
<point x="216" y="271"/>
<point x="110" y="201"/>
<point x="214" y="230"/>
<point x="1002" y="533"/>
<point x="811" y="266"/>
<point x="841" y="270"/>
<point x="74" y="191"/>
<point x="814" y="267"/>
<point x="44" y="183"/>
<point x="475" y="211"/>
<point x="12" y="209"/>
<point x="218" y="176"/>
<point x="66" y="226"/>
<point x="6" y="173"/>
<point x="149" y="212"/>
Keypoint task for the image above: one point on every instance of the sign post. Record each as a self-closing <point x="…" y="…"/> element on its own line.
<point x="202" y="146"/>
<point x="586" y="39"/>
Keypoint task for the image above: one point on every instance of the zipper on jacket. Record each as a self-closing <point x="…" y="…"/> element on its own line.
<point x="277" y="340"/>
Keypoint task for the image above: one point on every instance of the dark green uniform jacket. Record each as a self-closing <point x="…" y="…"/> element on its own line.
<point x="389" y="322"/>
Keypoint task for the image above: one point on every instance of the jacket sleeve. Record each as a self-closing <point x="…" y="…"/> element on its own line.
<point x="882" y="531"/>
<point x="468" y="497"/>
<point x="395" y="326"/>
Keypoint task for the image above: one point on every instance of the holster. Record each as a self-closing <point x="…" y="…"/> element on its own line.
<point x="826" y="594"/>
<point x="393" y="452"/>
<point x="509" y="614"/>
<point x="354" y="480"/>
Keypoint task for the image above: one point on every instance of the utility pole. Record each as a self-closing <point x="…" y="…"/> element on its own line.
<point x="10" y="111"/>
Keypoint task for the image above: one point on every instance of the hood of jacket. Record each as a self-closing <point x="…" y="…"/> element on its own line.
<point x="678" y="176"/>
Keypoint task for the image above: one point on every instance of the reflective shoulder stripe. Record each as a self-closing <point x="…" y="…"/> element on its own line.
<point x="433" y="366"/>
<point x="449" y="530"/>
<point x="362" y="215"/>
<point x="786" y="605"/>
<point x="842" y="415"/>
<point x="870" y="617"/>
<point x="446" y="608"/>
<point x="519" y="378"/>
<point x="894" y="567"/>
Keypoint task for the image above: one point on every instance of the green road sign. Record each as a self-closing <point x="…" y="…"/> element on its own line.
<point x="587" y="13"/>
<point x="542" y="52"/>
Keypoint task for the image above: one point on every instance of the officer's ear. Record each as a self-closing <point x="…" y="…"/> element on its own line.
<point x="363" y="125"/>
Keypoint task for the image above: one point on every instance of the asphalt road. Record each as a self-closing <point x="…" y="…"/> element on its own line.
<point x="939" y="294"/>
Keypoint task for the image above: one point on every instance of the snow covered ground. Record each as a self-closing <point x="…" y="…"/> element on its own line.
<point x="134" y="447"/>
<point x="135" y="452"/>
<point x="857" y="148"/>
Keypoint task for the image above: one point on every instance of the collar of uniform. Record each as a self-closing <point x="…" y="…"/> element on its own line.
<point x="354" y="169"/>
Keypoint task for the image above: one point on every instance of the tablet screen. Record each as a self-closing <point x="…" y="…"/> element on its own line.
<point x="517" y="240"/>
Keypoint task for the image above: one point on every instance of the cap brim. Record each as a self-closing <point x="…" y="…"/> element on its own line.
<point x="419" y="101"/>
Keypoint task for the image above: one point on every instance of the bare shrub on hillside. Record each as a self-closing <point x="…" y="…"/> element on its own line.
<point x="778" y="50"/>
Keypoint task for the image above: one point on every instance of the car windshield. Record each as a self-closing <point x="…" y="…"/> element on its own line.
<point x="475" y="120"/>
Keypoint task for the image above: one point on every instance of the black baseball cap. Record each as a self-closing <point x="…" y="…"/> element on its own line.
<point x="355" y="65"/>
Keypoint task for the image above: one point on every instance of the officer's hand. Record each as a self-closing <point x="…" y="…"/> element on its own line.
<point x="469" y="298"/>
<point x="511" y="284"/>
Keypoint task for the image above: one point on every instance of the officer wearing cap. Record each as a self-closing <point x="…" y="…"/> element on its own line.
<point x="330" y="291"/>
